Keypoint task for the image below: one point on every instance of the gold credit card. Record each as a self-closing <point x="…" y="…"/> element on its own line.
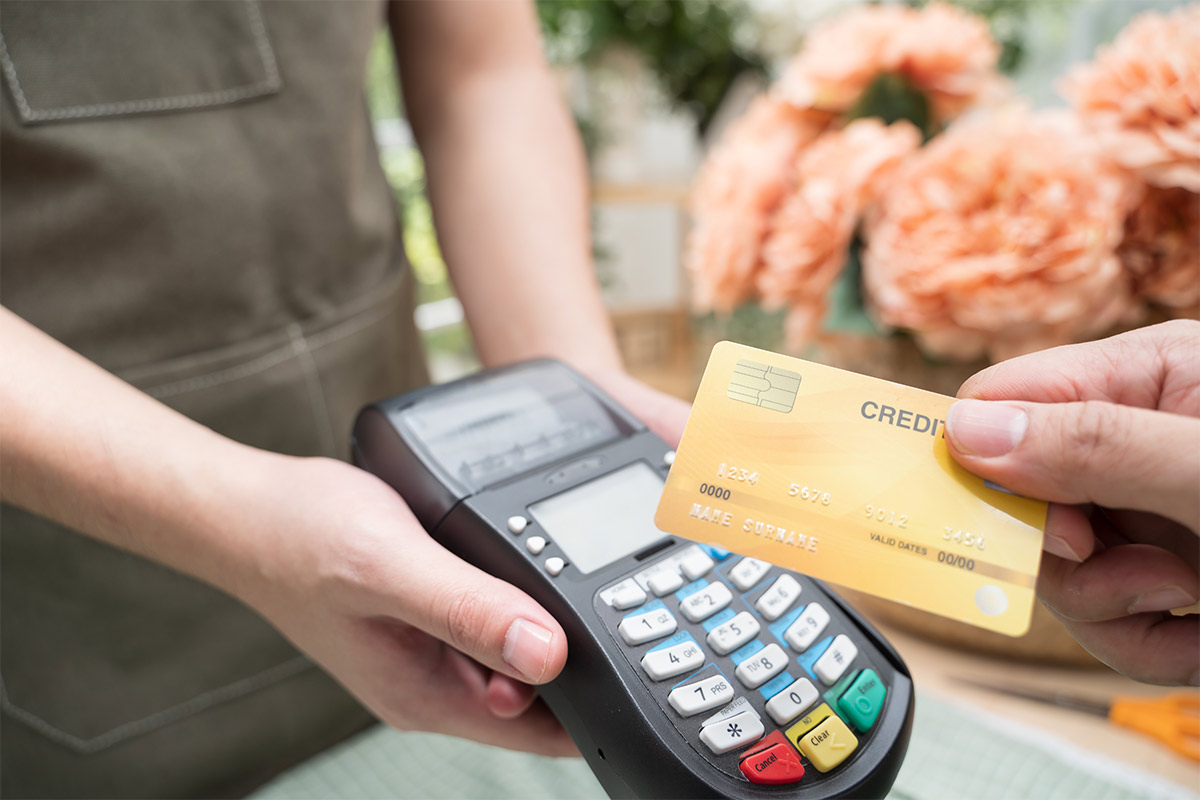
<point x="847" y="478"/>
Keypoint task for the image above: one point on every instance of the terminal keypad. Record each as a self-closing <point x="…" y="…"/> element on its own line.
<point x="756" y="666"/>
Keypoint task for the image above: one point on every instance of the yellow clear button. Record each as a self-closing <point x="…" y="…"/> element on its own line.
<point x="807" y="723"/>
<point x="828" y="744"/>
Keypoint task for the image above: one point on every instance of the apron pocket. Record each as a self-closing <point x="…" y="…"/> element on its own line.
<point x="85" y="59"/>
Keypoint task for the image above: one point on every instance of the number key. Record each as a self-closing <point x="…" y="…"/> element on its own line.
<point x="805" y="630"/>
<point x="646" y="627"/>
<point x="726" y="638"/>
<point x="706" y="602"/>
<point x="694" y="698"/>
<point x="792" y="701"/>
<point x="671" y="661"/>
<point x="779" y="597"/>
<point x="748" y="572"/>
<point x="762" y="666"/>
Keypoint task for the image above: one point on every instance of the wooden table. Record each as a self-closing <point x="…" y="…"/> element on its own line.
<point x="934" y="667"/>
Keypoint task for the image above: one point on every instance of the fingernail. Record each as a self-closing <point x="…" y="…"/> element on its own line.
<point x="980" y="428"/>
<point x="527" y="649"/>
<point x="1059" y="547"/>
<point x="1163" y="599"/>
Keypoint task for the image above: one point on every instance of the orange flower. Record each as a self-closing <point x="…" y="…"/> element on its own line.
<point x="1000" y="236"/>
<point x="941" y="50"/>
<point x="1162" y="249"/>
<point x="808" y="237"/>
<point x="742" y="182"/>
<point x="1141" y="97"/>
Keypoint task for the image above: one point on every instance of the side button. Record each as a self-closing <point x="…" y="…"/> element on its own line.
<point x="626" y="594"/>
<point x="773" y="761"/>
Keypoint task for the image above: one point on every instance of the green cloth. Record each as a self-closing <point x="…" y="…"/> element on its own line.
<point x="956" y="752"/>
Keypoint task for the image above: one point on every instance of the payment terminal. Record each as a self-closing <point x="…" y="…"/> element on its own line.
<point x="692" y="672"/>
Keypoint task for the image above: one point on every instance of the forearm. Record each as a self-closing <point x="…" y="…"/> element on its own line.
<point x="511" y="207"/>
<point x="508" y="184"/>
<point x="324" y="551"/>
<point x="81" y="447"/>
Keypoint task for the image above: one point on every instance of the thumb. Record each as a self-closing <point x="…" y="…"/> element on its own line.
<point x="489" y="620"/>
<point x="1113" y="455"/>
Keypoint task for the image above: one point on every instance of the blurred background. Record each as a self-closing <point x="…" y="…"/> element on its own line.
<point x="654" y="85"/>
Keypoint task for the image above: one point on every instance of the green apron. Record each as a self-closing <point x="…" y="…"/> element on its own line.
<point x="192" y="199"/>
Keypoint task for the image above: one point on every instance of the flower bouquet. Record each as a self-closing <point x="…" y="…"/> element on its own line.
<point x="892" y="173"/>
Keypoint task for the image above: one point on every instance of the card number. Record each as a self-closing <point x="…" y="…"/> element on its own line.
<point x="887" y="516"/>
<point x="965" y="538"/>
<point x="737" y="474"/>
<point x="808" y="493"/>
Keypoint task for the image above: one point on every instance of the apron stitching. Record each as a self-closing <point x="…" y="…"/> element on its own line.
<point x="344" y="329"/>
<point x="187" y="708"/>
<point x="10" y="71"/>
<point x="316" y="392"/>
<point x="271" y="82"/>
<point x="263" y="43"/>
<point x="267" y="360"/>
<point x="260" y="364"/>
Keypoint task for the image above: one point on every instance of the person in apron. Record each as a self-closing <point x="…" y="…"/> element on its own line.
<point x="192" y="202"/>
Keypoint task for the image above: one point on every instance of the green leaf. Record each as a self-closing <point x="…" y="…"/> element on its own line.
<point x="890" y="97"/>
<point x="847" y="311"/>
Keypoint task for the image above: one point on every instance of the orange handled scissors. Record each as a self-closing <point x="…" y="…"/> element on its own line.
<point x="1172" y="718"/>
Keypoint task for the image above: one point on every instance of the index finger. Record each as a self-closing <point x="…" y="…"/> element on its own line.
<point x="1152" y="367"/>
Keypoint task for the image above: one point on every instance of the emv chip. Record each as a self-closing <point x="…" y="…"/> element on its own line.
<point x="760" y="385"/>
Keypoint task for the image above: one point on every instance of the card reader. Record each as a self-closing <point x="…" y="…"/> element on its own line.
<point x="692" y="671"/>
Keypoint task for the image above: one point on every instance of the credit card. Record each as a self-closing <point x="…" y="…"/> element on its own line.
<point x="847" y="478"/>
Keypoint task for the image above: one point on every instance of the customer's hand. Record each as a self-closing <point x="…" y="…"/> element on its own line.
<point x="423" y="639"/>
<point x="1112" y="428"/>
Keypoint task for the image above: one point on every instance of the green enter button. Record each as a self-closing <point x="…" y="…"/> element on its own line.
<point x="863" y="700"/>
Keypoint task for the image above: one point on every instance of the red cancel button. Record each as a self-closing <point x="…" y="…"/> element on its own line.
<point x="772" y="760"/>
